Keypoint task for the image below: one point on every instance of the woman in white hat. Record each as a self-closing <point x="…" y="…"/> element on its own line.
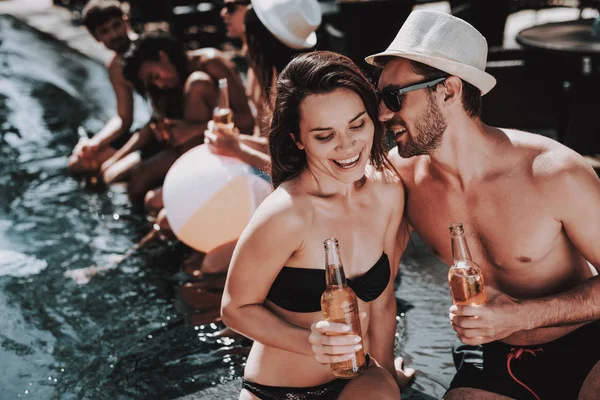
<point x="275" y="31"/>
<point x="329" y="168"/>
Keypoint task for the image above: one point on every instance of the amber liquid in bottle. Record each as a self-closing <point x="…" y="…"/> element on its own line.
<point x="465" y="277"/>
<point x="339" y="304"/>
<point x="222" y="114"/>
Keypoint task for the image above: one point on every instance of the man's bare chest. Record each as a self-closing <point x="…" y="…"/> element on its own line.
<point x="506" y="229"/>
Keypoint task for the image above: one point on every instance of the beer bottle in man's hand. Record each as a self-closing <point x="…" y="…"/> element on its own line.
<point x="465" y="276"/>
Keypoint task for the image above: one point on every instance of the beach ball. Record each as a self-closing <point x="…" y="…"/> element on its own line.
<point x="210" y="198"/>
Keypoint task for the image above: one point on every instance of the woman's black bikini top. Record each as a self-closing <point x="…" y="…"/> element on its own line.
<point x="300" y="289"/>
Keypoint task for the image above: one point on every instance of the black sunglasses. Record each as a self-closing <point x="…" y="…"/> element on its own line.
<point x="232" y="6"/>
<point x="392" y="97"/>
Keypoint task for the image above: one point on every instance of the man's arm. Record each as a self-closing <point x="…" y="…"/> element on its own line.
<point x="200" y="100"/>
<point x="253" y="157"/>
<point x="135" y="142"/>
<point x="218" y="66"/>
<point x="260" y="143"/>
<point x="224" y="142"/>
<point x="576" y="201"/>
<point x="121" y="123"/>
<point x="573" y="192"/>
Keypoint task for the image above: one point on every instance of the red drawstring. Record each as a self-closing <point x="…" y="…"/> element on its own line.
<point x="516" y="353"/>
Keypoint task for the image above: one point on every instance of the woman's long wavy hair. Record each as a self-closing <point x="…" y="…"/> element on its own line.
<point x="313" y="73"/>
<point x="265" y="52"/>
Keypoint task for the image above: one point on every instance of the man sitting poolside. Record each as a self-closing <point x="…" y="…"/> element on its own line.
<point x="108" y="24"/>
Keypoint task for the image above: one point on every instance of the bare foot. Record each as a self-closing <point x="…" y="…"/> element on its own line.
<point x="193" y="264"/>
<point x="82" y="276"/>
<point x="405" y="375"/>
<point x="163" y="226"/>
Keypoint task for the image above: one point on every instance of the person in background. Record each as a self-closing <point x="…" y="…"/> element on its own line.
<point x="107" y="23"/>
<point x="183" y="89"/>
<point x="270" y="45"/>
<point x="233" y="13"/>
<point x="329" y="168"/>
<point x="271" y="42"/>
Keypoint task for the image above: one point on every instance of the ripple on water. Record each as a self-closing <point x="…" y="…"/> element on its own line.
<point x="17" y="264"/>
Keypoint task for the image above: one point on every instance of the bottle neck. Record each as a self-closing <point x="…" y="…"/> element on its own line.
<point x="334" y="271"/>
<point x="223" y="101"/>
<point x="460" y="249"/>
<point x="334" y="274"/>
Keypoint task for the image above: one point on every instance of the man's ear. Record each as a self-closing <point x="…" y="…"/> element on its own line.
<point x="452" y="88"/>
<point x="298" y="144"/>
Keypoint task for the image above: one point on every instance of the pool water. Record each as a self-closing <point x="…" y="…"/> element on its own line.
<point x="125" y="334"/>
<point x="122" y="335"/>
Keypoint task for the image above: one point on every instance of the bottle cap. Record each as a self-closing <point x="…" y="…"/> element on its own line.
<point x="331" y="242"/>
<point x="456" y="228"/>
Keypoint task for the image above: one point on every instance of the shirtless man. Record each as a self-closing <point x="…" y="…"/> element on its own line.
<point x="107" y="23"/>
<point x="531" y="210"/>
<point x="184" y="90"/>
<point x="530" y="206"/>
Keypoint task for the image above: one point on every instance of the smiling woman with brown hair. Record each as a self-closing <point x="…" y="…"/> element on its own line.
<point x="331" y="178"/>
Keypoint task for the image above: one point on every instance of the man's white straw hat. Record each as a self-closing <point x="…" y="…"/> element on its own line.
<point x="444" y="42"/>
<point x="293" y="22"/>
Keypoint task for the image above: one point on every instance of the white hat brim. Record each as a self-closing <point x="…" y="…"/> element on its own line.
<point x="478" y="78"/>
<point x="277" y="28"/>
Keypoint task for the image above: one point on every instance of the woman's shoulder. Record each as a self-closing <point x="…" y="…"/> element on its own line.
<point x="285" y="207"/>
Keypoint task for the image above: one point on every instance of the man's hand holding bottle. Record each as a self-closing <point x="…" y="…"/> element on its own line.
<point x="497" y="319"/>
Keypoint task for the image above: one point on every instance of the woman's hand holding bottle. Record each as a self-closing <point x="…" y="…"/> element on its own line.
<point x="331" y="342"/>
<point x="223" y="139"/>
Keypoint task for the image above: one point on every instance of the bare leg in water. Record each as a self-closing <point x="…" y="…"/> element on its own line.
<point x="153" y="201"/>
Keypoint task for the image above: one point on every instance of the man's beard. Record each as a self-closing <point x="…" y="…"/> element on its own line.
<point x="428" y="132"/>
